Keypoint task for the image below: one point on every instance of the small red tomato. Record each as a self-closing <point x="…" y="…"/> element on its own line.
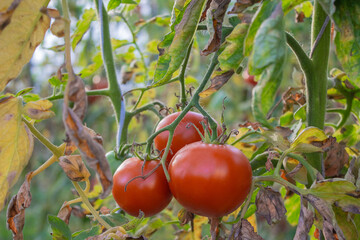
<point x="150" y="195"/>
<point x="250" y="79"/>
<point x="185" y="132"/>
<point x="210" y="180"/>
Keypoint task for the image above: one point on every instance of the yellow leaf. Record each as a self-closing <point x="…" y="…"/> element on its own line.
<point x="39" y="109"/>
<point x="22" y="30"/>
<point x="16" y="144"/>
<point x="306" y="137"/>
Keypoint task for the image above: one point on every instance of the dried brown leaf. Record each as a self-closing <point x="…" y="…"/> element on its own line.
<point x="245" y="231"/>
<point x="268" y="165"/>
<point x="306" y="220"/>
<point x="253" y="125"/>
<point x="185" y="216"/>
<point x="51" y="12"/>
<point x="16" y="209"/>
<point x="217" y="10"/>
<point x="300" y="16"/>
<point x="58" y="27"/>
<point x="352" y="174"/>
<point x="216" y="83"/>
<point x="39" y="110"/>
<point x="242" y="5"/>
<point x="90" y="149"/>
<point x="204" y="13"/>
<point x="5" y="16"/>
<point x="78" y="95"/>
<point x="65" y="213"/>
<point x="270" y="205"/>
<point x="74" y="168"/>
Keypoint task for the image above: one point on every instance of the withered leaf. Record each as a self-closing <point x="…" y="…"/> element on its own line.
<point x="217" y="10"/>
<point x="327" y="213"/>
<point x="242" y="5"/>
<point x="5" y="16"/>
<point x="204" y="13"/>
<point x="352" y="175"/>
<point x="270" y="205"/>
<point x="306" y="220"/>
<point x="39" y="110"/>
<point x="268" y="165"/>
<point x="16" y="209"/>
<point x="299" y="17"/>
<point x="74" y="168"/>
<point x="58" y="27"/>
<point x="65" y="213"/>
<point x="185" y="216"/>
<point x="78" y="95"/>
<point x="253" y="125"/>
<point x="246" y="231"/>
<point x="89" y="148"/>
<point x="216" y="83"/>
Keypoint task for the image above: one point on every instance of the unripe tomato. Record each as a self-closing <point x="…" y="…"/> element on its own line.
<point x="150" y="195"/>
<point x="250" y="79"/>
<point x="184" y="134"/>
<point x="210" y="180"/>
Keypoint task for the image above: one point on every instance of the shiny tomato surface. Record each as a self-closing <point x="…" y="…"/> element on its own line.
<point x="185" y="132"/>
<point x="210" y="180"/>
<point x="150" y="195"/>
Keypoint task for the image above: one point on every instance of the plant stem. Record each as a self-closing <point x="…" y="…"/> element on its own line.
<point x="182" y="77"/>
<point x="316" y="84"/>
<point x="99" y="92"/>
<point x="85" y="200"/>
<point x="57" y="151"/>
<point x="107" y="54"/>
<point x="246" y="205"/>
<point x="280" y="162"/>
<point x="281" y="181"/>
<point x="49" y="162"/>
<point x="244" y="136"/>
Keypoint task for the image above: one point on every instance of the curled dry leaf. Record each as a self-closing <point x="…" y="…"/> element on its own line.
<point x="217" y="12"/>
<point x="39" y="110"/>
<point x="16" y="209"/>
<point x="74" y="168"/>
<point x="16" y="144"/>
<point x="17" y="47"/>
<point x="270" y="205"/>
<point x="306" y="220"/>
<point x="78" y="95"/>
<point x="242" y="5"/>
<point x="245" y="231"/>
<point x="185" y="217"/>
<point x="58" y="27"/>
<point x="352" y="174"/>
<point x="216" y="83"/>
<point x="268" y="165"/>
<point x="89" y="148"/>
<point x="65" y="213"/>
<point x="253" y="125"/>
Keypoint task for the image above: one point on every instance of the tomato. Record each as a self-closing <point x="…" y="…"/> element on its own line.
<point x="250" y="79"/>
<point x="210" y="180"/>
<point x="150" y="195"/>
<point x="184" y="134"/>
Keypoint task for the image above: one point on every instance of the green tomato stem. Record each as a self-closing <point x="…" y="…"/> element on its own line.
<point x="182" y="77"/>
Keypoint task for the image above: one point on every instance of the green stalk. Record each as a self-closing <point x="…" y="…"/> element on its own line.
<point x="107" y="54"/>
<point x="316" y="85"/>
<point x="182" y="77"/>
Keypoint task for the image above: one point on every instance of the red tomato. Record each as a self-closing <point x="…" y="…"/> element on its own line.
<point x="184" y="134"/>
<point x="250" y="79"/>
<point x="150" y="195"/>
<point x="210" y="180"/>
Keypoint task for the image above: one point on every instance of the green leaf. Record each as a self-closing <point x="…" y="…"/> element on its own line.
<point x="92" y="68"/>
<point x="55" y="81"/>
<point x="84" y="234"/>
<point x="82" y="26"/>
<point x="267" y="59"/>
<point x="350" y="134"/>
<point x="115" y="219"/>
<point x="306" y="8"/>
<point x="232" y="55"/>
<point x="292" y="205"/>
<point x="286" y="118"/>
<point x="115" y="3"/>
<point x="172" y="49"/>
<point x="261" y="15"/>
<point x="339" y="191"/>
<point x="347" y="41"/>
<point x="151" y="46"/>
<point x="24" y="91"/>
<point x="60" y="229"/>
<point x="288" y="5"/>
<point x="302" y="142"/>
<point x="30" y="97"/>
<point x="347" y="224"/>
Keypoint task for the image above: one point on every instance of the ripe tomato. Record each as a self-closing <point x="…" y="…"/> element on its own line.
<point x="250" y="79"/>
<point x="210" y="180"/>
<point x="183" y="134"/>
<point x="150" y="195"/>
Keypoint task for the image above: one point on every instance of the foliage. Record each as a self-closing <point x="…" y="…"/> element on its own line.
<point x="304" y="157"/>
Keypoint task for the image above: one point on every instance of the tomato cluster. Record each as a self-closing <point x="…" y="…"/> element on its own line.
<point x="207" y="179"/>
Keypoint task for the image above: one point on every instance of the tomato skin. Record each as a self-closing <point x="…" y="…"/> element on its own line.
<point x="150" y="196"/>
<point x="184" y="134"/>
<point x="210" y="180"/>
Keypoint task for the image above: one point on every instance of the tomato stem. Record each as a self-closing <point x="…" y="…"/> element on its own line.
<point x="182" y="77"/>
<point x="281" y="181"/>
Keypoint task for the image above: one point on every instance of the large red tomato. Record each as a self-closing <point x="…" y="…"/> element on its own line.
<point x="210" y="180"/>
<point x="150" y="195"/>
<point x="184" y="134"/>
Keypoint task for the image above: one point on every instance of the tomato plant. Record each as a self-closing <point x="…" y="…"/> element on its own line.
<point x="186" y="132"/>
<point x="210" y="180"/>
<point x="134" y="194"/>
